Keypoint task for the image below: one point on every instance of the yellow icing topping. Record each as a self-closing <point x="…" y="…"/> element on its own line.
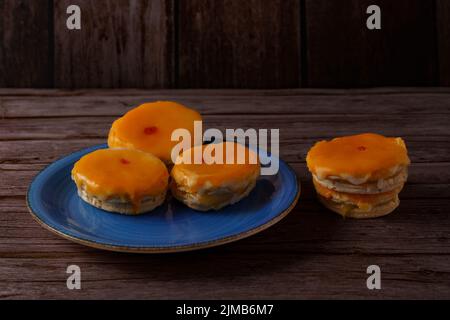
<point x="149" y="128"/>
<point x="205" y="173"/>
<point x="357" y="156"/>
<point x="128" y="174"/>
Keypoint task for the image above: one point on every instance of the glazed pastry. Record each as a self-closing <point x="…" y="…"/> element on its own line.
<point x="359" y="176"/>
<point x="123" y="181"/>
<point x="211" y="186"/>
<point x="149" y="128"/>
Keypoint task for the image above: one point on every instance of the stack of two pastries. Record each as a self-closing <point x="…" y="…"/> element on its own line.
<point x="131" y="177"/>
<point x="359" y="176"/>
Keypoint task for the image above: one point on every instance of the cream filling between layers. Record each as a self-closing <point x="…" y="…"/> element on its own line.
<point x="321" y="173"/>
<point x="364" y="186"/>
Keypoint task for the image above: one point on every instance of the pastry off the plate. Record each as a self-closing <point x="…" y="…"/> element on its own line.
<point x="359" y="176"/>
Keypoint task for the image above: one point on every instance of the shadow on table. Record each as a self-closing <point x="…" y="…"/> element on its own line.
<point x="306" y="230"/>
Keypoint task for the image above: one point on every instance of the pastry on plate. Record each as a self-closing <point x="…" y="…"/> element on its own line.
<point x="149" y="128"/>
<point x="359" y="176"/>
<point x="203" y="185"/>
<point x="124" y="181"/>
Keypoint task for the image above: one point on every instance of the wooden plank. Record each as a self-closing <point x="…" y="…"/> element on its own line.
<point x="342" y="52"/>
<point x="39" y="153"/>
<point x="250" y="276"/>
<point x="239" y="44"/>
<point x="102" y="104"/>
<point x="430" y="127"/>
<point x="443" y="29"/>
<point x="121" y="44"/>
<point x="235" y="93"/>
<point x="24" y="44"/>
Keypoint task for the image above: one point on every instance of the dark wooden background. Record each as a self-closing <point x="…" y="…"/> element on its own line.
<point x="224" y="44"/>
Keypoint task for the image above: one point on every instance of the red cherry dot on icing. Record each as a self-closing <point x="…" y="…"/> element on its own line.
<point x="124" y="161"/>
<point x="150" y="130"/>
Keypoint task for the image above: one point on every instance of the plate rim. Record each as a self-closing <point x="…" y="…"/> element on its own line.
<point x="157" y="249"/>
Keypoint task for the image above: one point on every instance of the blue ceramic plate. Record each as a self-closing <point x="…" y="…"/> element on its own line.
<point x="54" y="203"/>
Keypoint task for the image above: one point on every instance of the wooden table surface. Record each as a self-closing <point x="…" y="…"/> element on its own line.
<point x="312" y="253"/>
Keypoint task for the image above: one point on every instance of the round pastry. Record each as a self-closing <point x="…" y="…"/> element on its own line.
<point x="359" y="176"/>
<point x="204" y="185"/>
<point x="120" y="180"/>
<point x="149" y="128"/>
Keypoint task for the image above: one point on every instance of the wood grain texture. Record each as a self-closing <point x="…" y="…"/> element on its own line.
<point x="250" y="275"/>
<point x="239" y="44"/>
<point x="24" y="44"/>
<point x="224" y="44"/>
<point x="342" y="52"/>
<point x="313" y="253"/>
<point x="122" y="44"/>
<point x="443" y="30"/>
<point x="32" y="103"/>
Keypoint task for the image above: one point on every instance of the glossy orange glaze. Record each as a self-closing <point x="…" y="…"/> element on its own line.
<point x="149" y="128"/>
<point x="358" y="156"/>
<point x="128" y="174"/>
<point x="216" y="174"/>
